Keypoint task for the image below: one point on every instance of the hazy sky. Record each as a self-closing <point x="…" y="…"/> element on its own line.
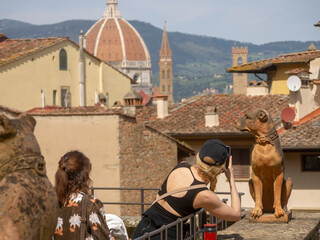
<point x="253" y="21"/>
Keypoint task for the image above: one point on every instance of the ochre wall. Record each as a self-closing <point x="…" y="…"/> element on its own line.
<point x="306" y="187"/>
<point x="115" y="83"/>
<point x="21" y="81"/>
<point x="96" y="137"/>
<point x="279" y="80"/>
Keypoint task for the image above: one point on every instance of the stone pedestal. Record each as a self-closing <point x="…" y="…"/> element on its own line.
<point x="270" y="218"/>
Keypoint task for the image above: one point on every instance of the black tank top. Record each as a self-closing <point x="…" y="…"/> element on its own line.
<point x="183" y="205"/>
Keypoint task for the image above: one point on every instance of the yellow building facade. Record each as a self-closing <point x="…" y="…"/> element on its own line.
<point x="47" y="72"/>
<point x="280" y="68"/>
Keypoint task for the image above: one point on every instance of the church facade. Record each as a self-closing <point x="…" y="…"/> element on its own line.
<point x="115" y="41"/>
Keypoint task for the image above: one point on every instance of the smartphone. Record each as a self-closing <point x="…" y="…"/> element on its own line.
<point x="229" y="154"/>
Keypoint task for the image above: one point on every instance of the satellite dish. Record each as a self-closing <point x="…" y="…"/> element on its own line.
<point x="294" y="83"/>
<point x="288" y="115"/>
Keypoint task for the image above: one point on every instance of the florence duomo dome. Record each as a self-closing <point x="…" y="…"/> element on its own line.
<point x="116" y="41"/>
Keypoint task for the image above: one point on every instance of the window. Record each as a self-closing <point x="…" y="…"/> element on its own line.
<point x="310" y="162"/>
<point x="240" y="61"/>
<point x="168" y="74"/>
<point x="65" y="97"/>
<point x="135" y="77"/>
<point x="163" y="74"/>
<point x="241" y="163"/>
<point x="63" y="59"/>
<point x="163" y="89"/>
<point x="54" y="97"/>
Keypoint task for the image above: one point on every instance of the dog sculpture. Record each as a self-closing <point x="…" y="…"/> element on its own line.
<point x="267" y="186"/>
<point x="28" y="203"/>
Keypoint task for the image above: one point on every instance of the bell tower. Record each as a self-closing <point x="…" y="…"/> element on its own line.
<point x="165" y="67"/>
<point x="240" y="80"/>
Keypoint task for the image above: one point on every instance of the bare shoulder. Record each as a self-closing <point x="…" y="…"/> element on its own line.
<point x="205" y="199"/>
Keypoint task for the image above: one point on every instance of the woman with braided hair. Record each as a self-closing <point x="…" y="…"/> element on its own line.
<point x="185" y="191"/>
<point x="72" y="186"/>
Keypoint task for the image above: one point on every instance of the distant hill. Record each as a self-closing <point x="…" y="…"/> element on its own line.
<point x="199" y="61"/>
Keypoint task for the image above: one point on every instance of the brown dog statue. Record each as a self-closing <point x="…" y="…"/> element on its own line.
<point x="28" y="202"/>
<point x="268" y="188"/>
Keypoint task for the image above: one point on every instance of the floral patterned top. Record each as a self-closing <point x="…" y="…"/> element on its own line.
<point x="69" y="220"/>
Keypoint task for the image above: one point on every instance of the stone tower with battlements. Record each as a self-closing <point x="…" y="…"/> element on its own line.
<point x="165" y="67"/>
<point x="240" y="80"/>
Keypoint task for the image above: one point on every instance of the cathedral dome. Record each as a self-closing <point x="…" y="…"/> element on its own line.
<point x="113" y="39"/>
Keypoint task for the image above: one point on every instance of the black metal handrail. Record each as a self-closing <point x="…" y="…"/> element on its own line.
<point x="196" y="226"/>
<point x="142" y="191"/>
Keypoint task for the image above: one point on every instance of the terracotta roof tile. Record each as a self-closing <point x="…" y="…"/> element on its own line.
<point x="188" y="117"/>
<point x="13" y="49"/>
<point x="306" y="134"/>
<point x="58" y="111"/>
<point x="297" y="71"/>
<point x="263" y="65"/>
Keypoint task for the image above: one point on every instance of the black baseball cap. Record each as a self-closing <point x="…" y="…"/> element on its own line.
<point x="216" y="150"/>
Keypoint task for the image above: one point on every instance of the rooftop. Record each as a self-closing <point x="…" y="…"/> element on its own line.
<point x="265" y="65"/>
<point x="14" y="49"/>
<point x="188" y="118"/>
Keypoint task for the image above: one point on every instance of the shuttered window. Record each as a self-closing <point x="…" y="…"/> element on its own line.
<point x="241" y="163"/>
<point x="311" y="163"/>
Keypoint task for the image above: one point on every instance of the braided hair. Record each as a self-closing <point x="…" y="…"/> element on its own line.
<point x="72" y="175"/>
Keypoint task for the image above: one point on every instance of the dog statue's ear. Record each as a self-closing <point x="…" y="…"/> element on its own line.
<point x="28" y="119"/>
<point x="263" y="116"/>
<point x="6" y="129"/>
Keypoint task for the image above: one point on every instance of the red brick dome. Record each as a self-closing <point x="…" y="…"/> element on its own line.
<point x="113" y="39"/>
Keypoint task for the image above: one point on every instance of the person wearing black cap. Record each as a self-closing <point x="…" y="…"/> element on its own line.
<point x="185" y="191"/>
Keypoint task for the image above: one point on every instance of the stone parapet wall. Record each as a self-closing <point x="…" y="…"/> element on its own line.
<point x="303" y="225"/>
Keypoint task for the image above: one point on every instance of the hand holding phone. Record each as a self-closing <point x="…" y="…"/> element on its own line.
<point x="228" y="157"/>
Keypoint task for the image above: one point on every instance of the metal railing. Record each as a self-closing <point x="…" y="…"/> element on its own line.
<point x="142" y="193"/>
<point x="195" y="221"/>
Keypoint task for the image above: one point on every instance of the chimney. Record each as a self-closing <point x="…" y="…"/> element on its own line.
<point x="162" y="106"/>
<point x="81" y="71"/>
<point x="211" y="117"/>
<point x="43" y="99"/>
<point x="131" y="100"/>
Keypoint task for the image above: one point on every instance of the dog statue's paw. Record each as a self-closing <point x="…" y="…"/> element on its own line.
<point x="256" y="213"/>
<point x="278" y="212"/>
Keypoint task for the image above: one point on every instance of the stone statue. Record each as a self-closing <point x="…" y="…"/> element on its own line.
<point x="28" y="203"/>
<point x="268" y="188"/>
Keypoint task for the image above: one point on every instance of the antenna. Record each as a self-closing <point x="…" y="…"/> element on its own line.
<point x="294" y="83"/>
<point x="288" y="115"/>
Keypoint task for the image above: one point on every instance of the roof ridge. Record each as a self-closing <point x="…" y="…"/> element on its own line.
<point x="297" y="53"/>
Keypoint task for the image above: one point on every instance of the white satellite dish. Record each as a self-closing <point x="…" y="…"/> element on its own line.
<point x="294" y="83"/>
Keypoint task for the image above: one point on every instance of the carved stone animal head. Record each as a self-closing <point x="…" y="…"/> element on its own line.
<point x="16" y="140"/>
<point x="259" y="123"/>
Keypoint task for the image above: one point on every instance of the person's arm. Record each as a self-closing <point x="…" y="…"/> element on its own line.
<point x="95" y="220"/>
<point x="211" y="203"/>
<point x="235" y="199"/>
